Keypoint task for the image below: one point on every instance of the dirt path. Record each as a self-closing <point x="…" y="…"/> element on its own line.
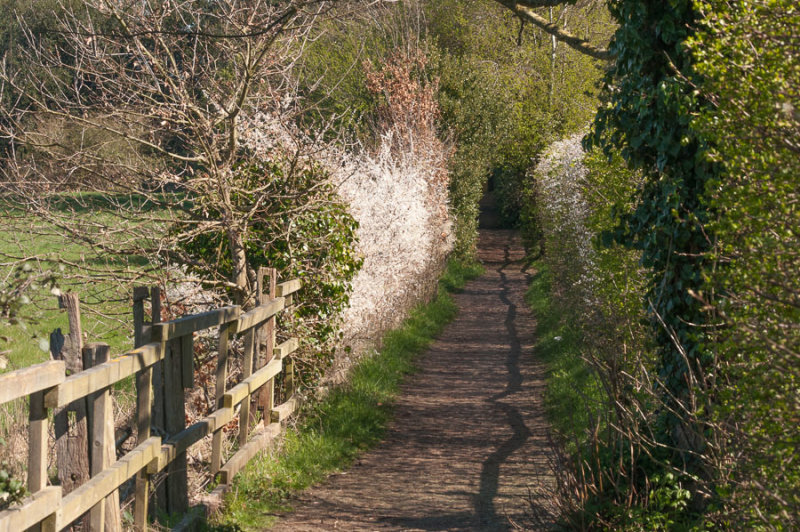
<point x="469" y="440"/>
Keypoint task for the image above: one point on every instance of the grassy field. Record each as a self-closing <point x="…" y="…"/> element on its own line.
<point x="33" y="251"/>
<point x="352" y="417"/>
<point x="101" y="280"/>
<point x="105" y="304"/>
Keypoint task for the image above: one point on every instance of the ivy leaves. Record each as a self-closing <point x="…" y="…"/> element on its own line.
<point x="650" y="102"/>
<point x="297" y="224"/>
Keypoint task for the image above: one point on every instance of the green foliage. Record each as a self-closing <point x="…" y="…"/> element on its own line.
<point x="714" y="219"/>
<point x="493" y="105"/>
<point x="472" y="111"/>
<point x="667" y="499"/>
<point x="296" y="224"/>
<point x="529" y="94"/>
<point x="12" y="490"/>
<point x="579" y="410"/>
<point x="620" y="281"/>
<point x="333" y="80"/>
<point x="349" y="420"/>
<point x="650" y="103"/>
<point x="749" y="72"/>
<point x="482" y="96"/>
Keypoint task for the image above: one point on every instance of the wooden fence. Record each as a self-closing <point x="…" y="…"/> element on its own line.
<point x="162" y="363"/>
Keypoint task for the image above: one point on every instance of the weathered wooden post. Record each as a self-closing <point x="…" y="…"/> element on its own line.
<point x="246" y="413"/>
<point x="105" y="516"/>
<point x="225" y="333"/>
<point x="172" y="398"/>
<point x="37" y="453"/>
<point x="266" y="398"/>
<point x="144" y="394"/>
<point x="72" y="435"/>
<point x="158" y="413"/>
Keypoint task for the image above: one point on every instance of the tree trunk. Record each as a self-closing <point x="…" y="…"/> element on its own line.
<point x="239" y="260"/>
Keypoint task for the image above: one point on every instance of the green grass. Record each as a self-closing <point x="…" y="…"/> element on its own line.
<point x="350" y="419"/>
<point x="100" y="280"/>
<point x="573" y="392"/>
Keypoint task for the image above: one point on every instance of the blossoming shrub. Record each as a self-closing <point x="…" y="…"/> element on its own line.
<point x="398" y="193"/>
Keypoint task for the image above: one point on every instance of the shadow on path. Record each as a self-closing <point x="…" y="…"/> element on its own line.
<point x="469" y="440"/>
<point x="490" y="472"/>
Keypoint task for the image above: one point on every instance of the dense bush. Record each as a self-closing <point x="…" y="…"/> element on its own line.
<point x="743" y="52"/>
<point x="701" y="430"/>
<point x="472" y="112"/>
<point x="296" y="224"/>
<point x="611" y="476"/>
<point x="398" y="192"/>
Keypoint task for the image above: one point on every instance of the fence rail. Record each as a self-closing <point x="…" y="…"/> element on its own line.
<point x="162" y="364"/>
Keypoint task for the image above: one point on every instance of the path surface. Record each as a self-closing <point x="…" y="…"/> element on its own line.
<point x="469" y="440"/>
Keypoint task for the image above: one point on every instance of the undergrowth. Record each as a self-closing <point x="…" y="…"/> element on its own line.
<point x="350" y="419"/>
<point x="573" y="392"/>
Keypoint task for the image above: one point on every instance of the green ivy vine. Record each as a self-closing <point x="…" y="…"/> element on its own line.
<point x="298" y="225"/>
<point x="650" y="99"/>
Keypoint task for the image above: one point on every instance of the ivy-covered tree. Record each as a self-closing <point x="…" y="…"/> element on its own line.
<point x="650" y="101"/>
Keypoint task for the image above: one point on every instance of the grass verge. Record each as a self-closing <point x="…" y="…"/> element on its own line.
<point x="573" y="392"/>
<point x="350" y="419"/>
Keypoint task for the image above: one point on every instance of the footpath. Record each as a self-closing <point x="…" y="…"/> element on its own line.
<point x="468" y="448"/>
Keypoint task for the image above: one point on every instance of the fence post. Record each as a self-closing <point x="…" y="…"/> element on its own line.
<point x="72" y="439"/>
<point x="266" y="397"/>
<point x="169" y="414"/>
<point x="37" y="453"/>
<point x="37" y="436"/>
<point x="219" y="391"/>
<point x="105" y="516"/>
<point x="173" y="401"/>
<point x="144" y="394"/>
<point x="158" y="413"/>
<point x="247" y="370"/>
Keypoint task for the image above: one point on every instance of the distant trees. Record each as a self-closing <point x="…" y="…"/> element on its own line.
<point x="507" y="90"/>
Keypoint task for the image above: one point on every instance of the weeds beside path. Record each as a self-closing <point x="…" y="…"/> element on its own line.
<point x="468" y="444"/>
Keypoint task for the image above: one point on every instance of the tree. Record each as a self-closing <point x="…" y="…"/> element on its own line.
<point x="139" y="108"/>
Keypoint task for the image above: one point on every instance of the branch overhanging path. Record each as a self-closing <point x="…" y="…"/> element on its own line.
<point x="468" y="448"/>
<point x="524" y="9"/>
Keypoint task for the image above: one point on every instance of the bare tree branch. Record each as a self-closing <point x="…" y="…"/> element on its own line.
<point x="524" y="10"/>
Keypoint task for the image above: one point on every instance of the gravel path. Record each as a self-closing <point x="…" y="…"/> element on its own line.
<point x="469" y="441"/>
